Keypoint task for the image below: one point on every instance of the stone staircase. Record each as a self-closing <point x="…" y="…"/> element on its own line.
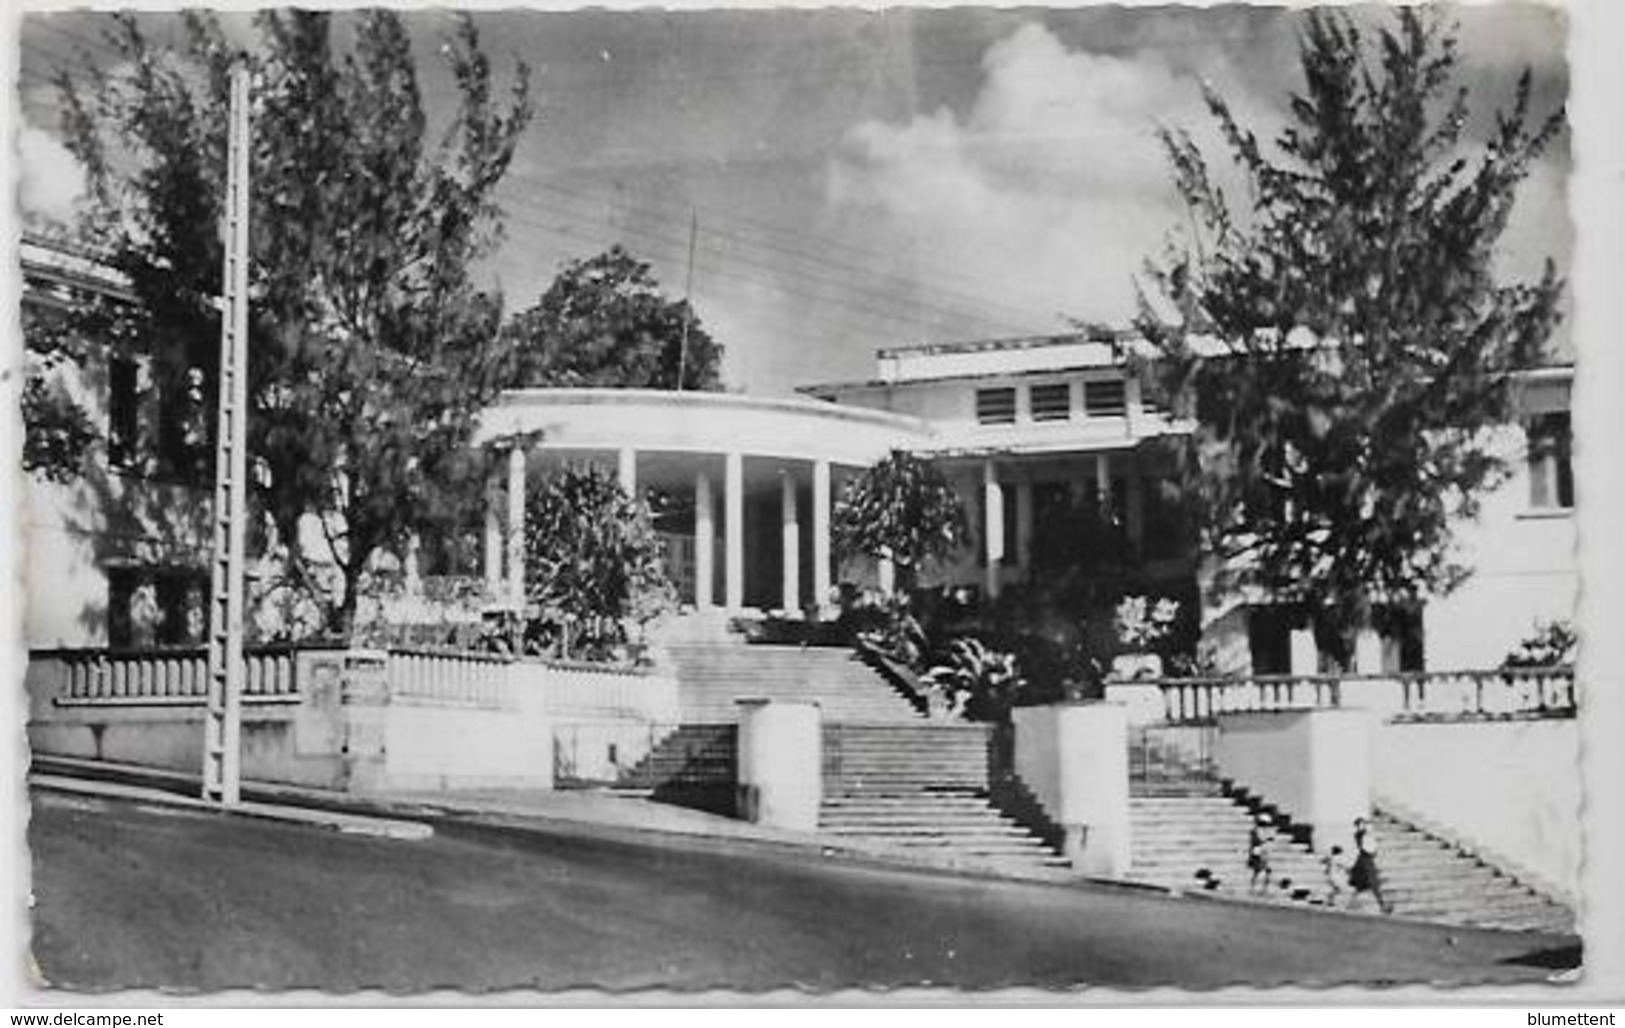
<point x="712" y="675"/>
<point x="1190" y="832"/>
<point x="922" y="787"/>
<point x="1187" y="833"/>
<point x="1427" y="877"/>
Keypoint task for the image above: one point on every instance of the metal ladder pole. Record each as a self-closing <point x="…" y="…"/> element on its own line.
<point x="222" y="749"/>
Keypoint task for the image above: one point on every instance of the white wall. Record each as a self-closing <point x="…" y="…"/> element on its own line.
<point x="1074" y="760"/>
<point x="1525" y="570"/>
<point x="430" y="745"/>
<point x="1313" y="765"/>
<point x="1510" y="787"/>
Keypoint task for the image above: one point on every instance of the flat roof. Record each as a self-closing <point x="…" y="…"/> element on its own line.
<point x="1092" y="335"/>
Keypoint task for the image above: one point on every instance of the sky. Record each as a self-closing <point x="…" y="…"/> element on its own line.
<point x="864" y="179"/>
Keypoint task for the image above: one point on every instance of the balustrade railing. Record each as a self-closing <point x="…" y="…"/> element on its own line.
<point x="1511" y="692"/>
<point x="450" y="677"/>
<point x="177" y="676"/>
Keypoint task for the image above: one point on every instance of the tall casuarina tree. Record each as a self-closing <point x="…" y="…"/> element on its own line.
<point x="1340" y="340"/>
<point x="372" y="349"/>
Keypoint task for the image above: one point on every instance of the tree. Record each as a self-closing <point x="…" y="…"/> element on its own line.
<point x="1342" y="345"/>
<point x="592" y="555"/>
<point x="900" y="509"/>
<point x="605" y="322"/>
<point x="372" y="351"/>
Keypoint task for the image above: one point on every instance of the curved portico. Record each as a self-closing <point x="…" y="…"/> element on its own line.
<point x="742" y="470"/>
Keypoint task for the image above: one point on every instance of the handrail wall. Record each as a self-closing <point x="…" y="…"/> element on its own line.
<point x="1499" y="693"/>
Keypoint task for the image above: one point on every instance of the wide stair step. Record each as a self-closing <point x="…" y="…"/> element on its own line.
<point x="712" y="676"/>
<point x="922" y="788"/>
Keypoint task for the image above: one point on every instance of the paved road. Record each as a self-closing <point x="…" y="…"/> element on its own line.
<point x="128" y="895"/>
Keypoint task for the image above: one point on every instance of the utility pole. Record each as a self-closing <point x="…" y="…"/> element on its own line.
<point x="222" y="742"/>
<point x="688" y="297"/>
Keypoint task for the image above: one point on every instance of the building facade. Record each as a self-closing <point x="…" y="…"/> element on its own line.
<point x="116" y="548"/>
<point x="1058" y="459"/>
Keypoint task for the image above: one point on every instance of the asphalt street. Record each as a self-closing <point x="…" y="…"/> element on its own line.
<point x="129" y="895"/>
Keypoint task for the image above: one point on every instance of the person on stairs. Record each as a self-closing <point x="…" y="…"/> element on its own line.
<point x="1258" y="855"/>
<point x="1365" y="876"/>
<point x="1336" y="867"/>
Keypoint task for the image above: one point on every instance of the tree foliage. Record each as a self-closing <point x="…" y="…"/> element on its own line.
<point x="900" y="509"/>
<point x="57" y="430"/>
<point x="372" y="351"/>
<point x="605" y="322"/>
<point x="592" y="555"/>
<point x="1341" y="342"/>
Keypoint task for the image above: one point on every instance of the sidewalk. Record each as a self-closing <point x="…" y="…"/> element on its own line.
<point x="349" y="823"/>
<point x="605" y="814"/>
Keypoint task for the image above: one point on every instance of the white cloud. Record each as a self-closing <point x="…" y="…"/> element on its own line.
<point x="50" y="179"/>
<point x="1050" y="190"/>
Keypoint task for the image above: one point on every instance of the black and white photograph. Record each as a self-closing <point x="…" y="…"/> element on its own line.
<point x="806" y="501"/>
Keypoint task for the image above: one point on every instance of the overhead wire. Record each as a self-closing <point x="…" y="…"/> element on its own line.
<point x="605" y="235"/>
<point x="919" y="280"/>
<point x="848" y="285"/>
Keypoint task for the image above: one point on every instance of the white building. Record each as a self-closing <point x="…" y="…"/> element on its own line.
<point x="1034" y="433"/>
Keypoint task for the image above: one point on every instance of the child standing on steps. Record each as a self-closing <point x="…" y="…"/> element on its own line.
<point x="1258" y="854"/>
<point x="1336" y="867"/>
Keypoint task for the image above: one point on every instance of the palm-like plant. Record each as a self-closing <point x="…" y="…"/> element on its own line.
<point x="974" y="679"/>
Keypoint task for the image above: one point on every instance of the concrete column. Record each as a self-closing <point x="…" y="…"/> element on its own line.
<point x="705" y="534"/>
<point x="1133" y="405"/>
<point x="1368" y="652"/>
<point x="1024" y="524"/>
<point x="1305" y="654"/>
<point x="790" y="544"/>
<point x="992" y="526"/>
<point x="1074" y="758"/>
<point x="781" y="780"/>
<point x="493" y="535"/>
<point x="733" y="527"/>
<point x="516" y="527"/>
<point x="821" y="533"/>
<point x="626" y="470"/>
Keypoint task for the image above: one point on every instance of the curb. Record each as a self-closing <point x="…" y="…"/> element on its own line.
<point x="347" y="823"/>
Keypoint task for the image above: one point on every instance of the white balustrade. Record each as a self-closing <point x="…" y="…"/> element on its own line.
<point x="1508" y="692"/>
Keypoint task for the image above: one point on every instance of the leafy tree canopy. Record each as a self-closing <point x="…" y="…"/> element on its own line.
<point x="900" y="509"/>
<point x="592" y="554"/>
<point x="372" y="351"/>
<point x="605" y="322"/>
<point x="1363" y="344"/>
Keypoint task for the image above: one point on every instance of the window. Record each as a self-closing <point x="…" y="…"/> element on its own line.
<point x="121" y="585"/>
<point x="1107" y="398"/>
<point x="183" y="428"/>
<point x="1269" y="640"/>
<point x="1400" y="630"/>
<point x="156" y="606"/>
<point x="1052" y="402"/>
<point x="123" y="412"/>
<point x="1551" y="472"/>
<point x="996" y="406"/>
